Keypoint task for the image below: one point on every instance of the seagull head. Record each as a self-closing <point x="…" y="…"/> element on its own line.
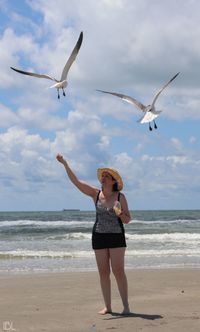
<point x="148" y="108"/>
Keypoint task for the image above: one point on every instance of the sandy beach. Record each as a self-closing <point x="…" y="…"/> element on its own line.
<point x="161" y="300"/>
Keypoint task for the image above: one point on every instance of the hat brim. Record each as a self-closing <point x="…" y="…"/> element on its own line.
<point x="113" y="173"/>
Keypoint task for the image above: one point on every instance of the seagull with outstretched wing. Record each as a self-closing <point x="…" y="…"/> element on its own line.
<point x="62" y="83"/>
<point x="150" y="113"/>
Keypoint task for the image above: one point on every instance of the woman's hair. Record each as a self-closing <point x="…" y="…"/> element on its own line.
<point x="115" y="187"/>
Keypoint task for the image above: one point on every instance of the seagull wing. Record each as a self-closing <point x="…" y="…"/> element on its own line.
<point x="157" y="95"/>
<point x="72" y="58"/>
<point x="127" y="99"/>
<point x="34" y="74"/>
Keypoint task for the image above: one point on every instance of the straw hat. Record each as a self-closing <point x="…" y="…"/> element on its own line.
<point x="113" y="173"/>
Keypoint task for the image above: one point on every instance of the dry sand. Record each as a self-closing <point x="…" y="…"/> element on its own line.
<point x="161" y="300"/>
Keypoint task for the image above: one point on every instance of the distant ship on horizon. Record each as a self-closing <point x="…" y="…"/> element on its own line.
<point x="71" y="210"/>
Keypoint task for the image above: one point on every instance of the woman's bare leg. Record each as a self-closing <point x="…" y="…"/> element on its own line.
<point x="103" y="264"/>
<point x="117" y="263"/>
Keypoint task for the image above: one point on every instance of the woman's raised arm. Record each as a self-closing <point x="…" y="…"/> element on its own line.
<point x="82" y="186"/>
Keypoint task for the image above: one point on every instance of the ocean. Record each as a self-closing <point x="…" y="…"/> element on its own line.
<point x="60" y="241"/>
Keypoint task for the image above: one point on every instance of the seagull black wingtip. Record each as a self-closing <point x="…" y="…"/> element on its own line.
<point x="80" y="39"/>
<point x="17" y="70"/>
<point x="177" y="74"/>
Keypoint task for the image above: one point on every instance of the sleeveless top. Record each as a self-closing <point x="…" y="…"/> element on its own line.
<point x="106" y="219"/>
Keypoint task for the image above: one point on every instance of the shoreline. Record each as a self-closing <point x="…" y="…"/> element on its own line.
<point x="92" y="270"/>
<point x="160" y="299"/>
<point x="35" y="271"/>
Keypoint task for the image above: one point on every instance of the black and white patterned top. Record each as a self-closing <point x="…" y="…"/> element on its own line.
<point x="106" y="220"/>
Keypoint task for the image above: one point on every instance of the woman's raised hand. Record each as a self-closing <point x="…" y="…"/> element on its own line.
<point x="60" y="158"/>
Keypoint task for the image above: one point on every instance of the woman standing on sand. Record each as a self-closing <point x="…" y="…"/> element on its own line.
<point x="108" y="239"/>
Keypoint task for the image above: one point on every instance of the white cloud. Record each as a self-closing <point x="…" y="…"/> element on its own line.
<point x="163" y="181"/>
<point x="7" y="117"/>
<point x="176" y="143"/>
<point x="10" y="45"/>
<point x="31" y="157"/>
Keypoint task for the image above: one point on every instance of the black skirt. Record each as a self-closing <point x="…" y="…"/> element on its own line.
<point x="108" y="240"/>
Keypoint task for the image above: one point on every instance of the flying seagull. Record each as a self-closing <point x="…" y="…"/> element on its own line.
<point x="62" y="83"/>
<point x="150" y="112"/>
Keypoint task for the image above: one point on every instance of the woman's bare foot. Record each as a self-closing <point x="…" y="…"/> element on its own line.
<point x="105" y="311"/>
<point x="126" y="311"/>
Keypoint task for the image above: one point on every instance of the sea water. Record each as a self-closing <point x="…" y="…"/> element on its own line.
<point x="61" y="241"/>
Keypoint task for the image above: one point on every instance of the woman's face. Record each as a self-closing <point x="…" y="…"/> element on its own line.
<point x="107" y="179"/>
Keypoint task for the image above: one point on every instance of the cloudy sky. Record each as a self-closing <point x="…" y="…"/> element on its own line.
<point x="131" y="47"/>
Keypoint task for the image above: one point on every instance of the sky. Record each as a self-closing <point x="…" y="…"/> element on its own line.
<point x="129" y="46"/>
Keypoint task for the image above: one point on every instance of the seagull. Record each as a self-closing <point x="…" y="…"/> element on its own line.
<point x="62" y="83"/>
<point x="150" y="113"/>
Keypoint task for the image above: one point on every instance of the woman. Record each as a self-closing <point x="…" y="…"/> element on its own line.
<point x="108" y="239"/>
